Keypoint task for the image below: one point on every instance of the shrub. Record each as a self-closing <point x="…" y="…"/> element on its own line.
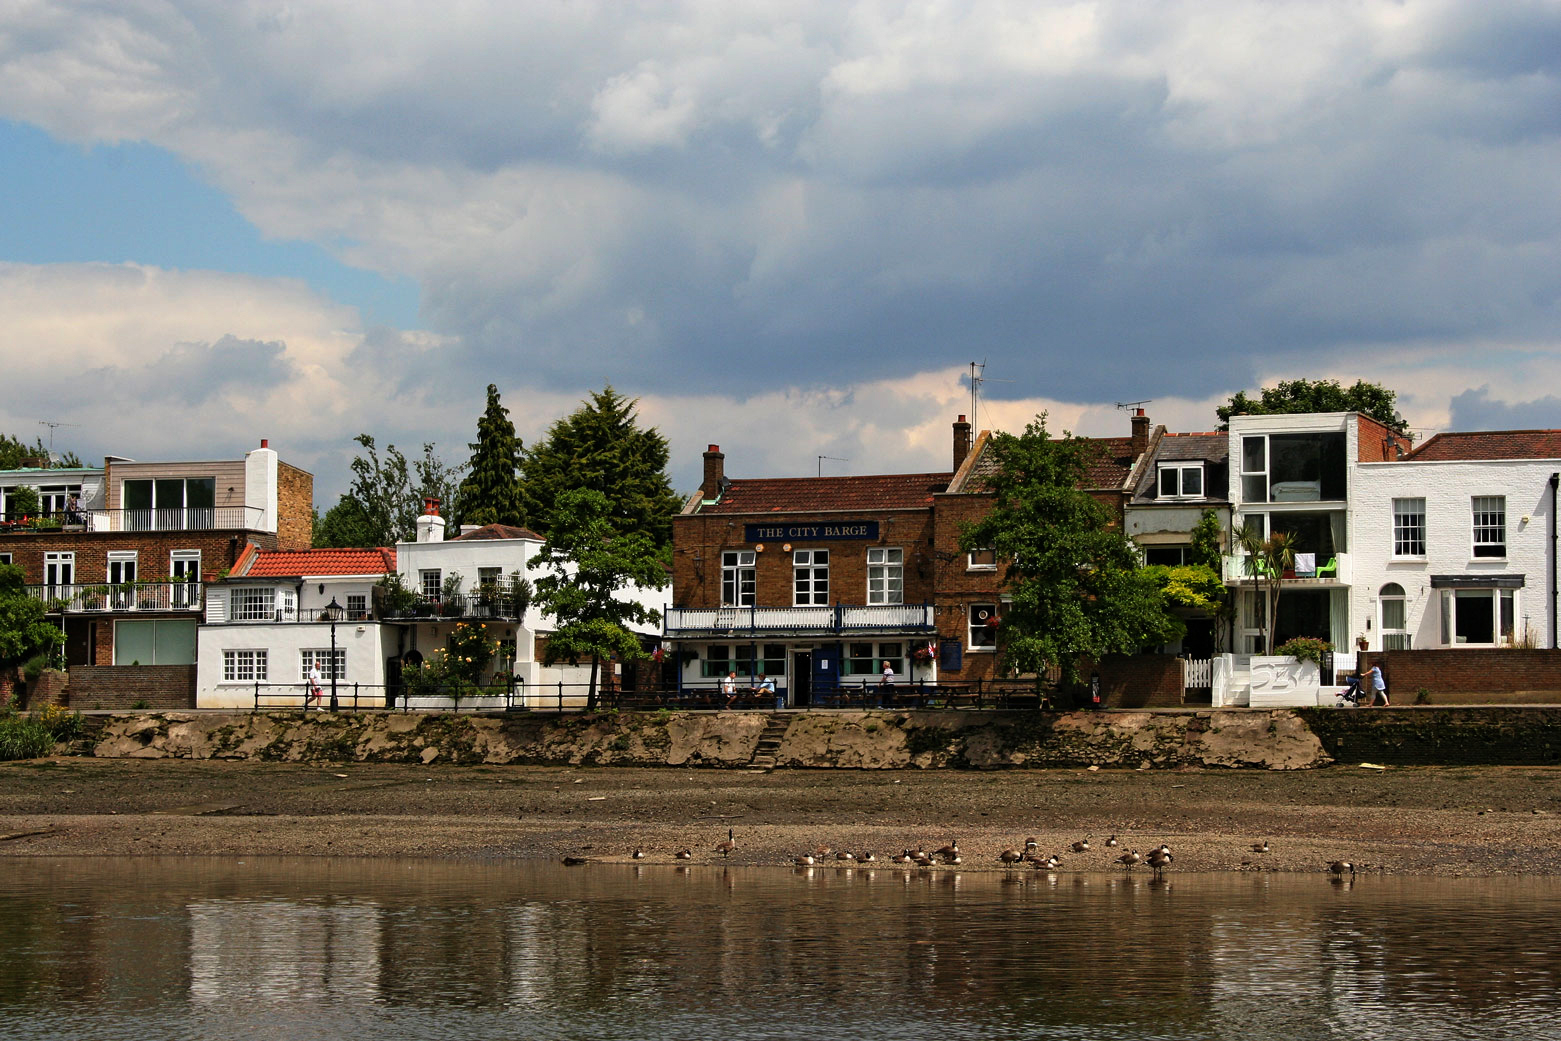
<point x="1305" y="648"/>
<point x="64" y="724"/>
<point x="24" y="738"/>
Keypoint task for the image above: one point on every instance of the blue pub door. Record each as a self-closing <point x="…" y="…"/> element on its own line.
<point x="826" y="668"/>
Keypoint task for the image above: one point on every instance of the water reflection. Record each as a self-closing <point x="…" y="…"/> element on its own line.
<point x="327" y="948"/>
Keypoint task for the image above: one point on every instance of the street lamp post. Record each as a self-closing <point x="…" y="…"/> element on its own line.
<point x="333" y="611"/>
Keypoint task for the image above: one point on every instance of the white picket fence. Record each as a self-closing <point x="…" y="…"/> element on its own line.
<point x="1197" y="673"/>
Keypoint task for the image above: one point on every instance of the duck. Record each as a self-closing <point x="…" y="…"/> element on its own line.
<point x="638" y="854"/>
<point x="1010" y="856"/>
<point x="1129" y="858"/>
<point x="1342" y="867"/>
<point x="1081" y="846"/>
<point x="684" y="854"/>
<point x="1112" y="841"/>
<point x="1260" y="847"/>
<point x="725" y="848"/>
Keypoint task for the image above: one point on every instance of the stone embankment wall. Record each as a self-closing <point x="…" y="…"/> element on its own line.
<point x="1512" y="736"/>
<point x="1277" y="740"/>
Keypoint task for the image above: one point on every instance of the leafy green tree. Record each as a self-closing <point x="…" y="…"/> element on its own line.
<point x="13" y="450"/>
<point x="601" y="447"/>
<point x="491" y="492"/>
<point x="386" y="496"/>
<point x="591" y="565"/>
<point x="1294" y="396"/>
<point x="1075" y="587"/>
<point x="24" y="632"/>
<point x="1208" y="550"/>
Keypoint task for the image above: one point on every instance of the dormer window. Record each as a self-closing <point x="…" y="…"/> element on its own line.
<point x="1181" y="480"/>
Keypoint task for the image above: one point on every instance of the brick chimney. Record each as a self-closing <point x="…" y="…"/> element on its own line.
<point x="1140" y="433"/>
<point x="961" y="441"/>
<point x="715" y="473"/>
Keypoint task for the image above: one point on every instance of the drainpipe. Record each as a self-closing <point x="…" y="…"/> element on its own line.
<point x="1555" y="638"/>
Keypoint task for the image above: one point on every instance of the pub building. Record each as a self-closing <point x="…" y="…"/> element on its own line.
<point x="817" y="582"/>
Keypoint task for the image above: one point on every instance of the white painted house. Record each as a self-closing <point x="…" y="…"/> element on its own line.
<point x="1455" y="543"/>
<point x="266" y="623"/>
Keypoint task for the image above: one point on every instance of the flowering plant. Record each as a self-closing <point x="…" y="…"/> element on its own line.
<point x="468" y="650"/>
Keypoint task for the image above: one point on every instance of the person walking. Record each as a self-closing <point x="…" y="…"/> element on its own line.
<point x="1379" y="686"/>
<point x="314" y="679"/>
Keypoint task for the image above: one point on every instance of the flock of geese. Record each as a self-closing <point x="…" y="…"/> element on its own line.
<point x="1157" y="859"/>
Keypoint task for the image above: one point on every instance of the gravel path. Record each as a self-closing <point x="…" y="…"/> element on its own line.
<point x="1426" y="821"/>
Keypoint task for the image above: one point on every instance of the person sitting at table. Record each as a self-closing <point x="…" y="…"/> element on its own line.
<point x="765" y="688"/>
<point x="729" y="687"/>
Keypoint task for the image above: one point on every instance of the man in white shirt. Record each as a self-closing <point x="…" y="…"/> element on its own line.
<point x="314" y="685"/>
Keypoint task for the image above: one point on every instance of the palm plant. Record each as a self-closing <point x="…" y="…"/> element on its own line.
<point x="1266" y="561"/>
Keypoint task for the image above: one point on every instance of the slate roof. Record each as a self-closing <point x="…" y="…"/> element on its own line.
<point x="1210" y="448"/>
<point x="295" y="563"/>
<point x="1490" y="444"/>
<point x="815" y="494"/>
<point x="498" y="531"/>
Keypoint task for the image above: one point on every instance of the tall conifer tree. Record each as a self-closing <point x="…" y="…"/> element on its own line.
<point x="600" y="447"/>
<point x="491" y="492"/>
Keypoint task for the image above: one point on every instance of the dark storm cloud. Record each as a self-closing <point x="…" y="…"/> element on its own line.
<point x="1477" y="410"/>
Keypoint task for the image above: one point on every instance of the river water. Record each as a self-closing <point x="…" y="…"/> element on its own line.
<point x="152" y="948"/>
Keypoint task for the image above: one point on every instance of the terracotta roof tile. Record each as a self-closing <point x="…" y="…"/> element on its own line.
<point x="498" y="531"/>
<point x="283" y="563"/>
<point x="1490" y="444"/>
<point x="812" y="494"/>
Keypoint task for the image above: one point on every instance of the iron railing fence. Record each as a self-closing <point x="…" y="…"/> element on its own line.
<point x="480" y="606"/>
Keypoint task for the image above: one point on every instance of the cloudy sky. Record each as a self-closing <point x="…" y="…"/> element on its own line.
<point x="786" y="227"/>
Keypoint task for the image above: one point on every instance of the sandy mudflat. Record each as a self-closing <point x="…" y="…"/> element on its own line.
<point x="1429" y="821"/>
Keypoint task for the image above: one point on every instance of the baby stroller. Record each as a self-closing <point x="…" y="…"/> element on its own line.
<point x="1351" y="694"/>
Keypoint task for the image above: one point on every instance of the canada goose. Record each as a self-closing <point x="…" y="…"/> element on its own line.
<point x="1159" y="860"/>
<point x="1030" y="845"/>
<point x="1010" y="855"/>
<point x="1128" y="859"/>
<point x="901" y="858"/>
<point x="725" y="848"/>
<point x="685" y="854"/>
<point x="865" y="858"/>
<point x="1342" y="867"/>
<point x="1081" y="847"/>
<point x="845" y="854"/>
<point x="574" y="861"/>
<point x="1047" y="863"/>
<point x="638" y="853"/>
<point x="1112" y="841"/>
<point x="951" y="850"/>
<point x="954" y="861"/>
<point x="921" y="859"/>
<point x="806" y="860"/>
<point x="1260" y="847"/>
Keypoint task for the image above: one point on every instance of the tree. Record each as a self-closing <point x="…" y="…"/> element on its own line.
<point x="1293" y="396"/>
<point x="24" y="632"/>
<point x="13" y="451"/>
<point x="1207" y="549"/>
<point x="386" y="496"/>
<point x="1073" y="578"/>
<point x="591" y="564"/>
<point x="491" y="492"/>
<point x="601" y="447"/>
<point x="1267" y="560"/>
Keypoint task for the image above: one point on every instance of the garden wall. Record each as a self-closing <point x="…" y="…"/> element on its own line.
<point x="124" y="686"/>
<point x="1461" y="676"/>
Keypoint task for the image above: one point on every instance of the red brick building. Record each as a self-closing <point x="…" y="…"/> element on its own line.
<point x="124" y="567"/>
<point x="819" y="582"/>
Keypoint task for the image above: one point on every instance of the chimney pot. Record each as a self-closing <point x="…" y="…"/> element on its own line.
<point x="265" y="442"/>
<point x="715" y="472"/>
<point x="431" y="507"/>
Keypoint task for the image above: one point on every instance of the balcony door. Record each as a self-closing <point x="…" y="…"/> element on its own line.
<point x="59" y="573"/>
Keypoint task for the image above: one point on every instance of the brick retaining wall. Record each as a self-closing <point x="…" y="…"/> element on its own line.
<point x="1515" y="736"/>
<point x="122" y="686"/>
<point x="1141" y="681"/>
<point x="1458" y="675"/>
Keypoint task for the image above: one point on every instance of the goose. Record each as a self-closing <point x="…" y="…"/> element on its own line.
<point x="684" y="854"/>
<point x="1081" y="847"/>
<point x="638" y="854"/>
<point x="725" y="848"/>
<point x="806" y="860"/>
<point x="574" y="861"/>
<point x="845" y="854"/>
<point x="1128" y="859"/>
<point x="1047" y="863"/>
<point x="901" y="858"/>
<point x="951" y="850"/>
<point x="1342" y="867"/>
<point x="865" y="858"/>
<point x="1112" y="841"/>
<point x="954" y="861"/>
<point x="1159" y="860"/>
<point x="1010" y="855"/>
<point x="1260" y="847"/>
<point x="822" y="851"/>
<point x="921" y="859"/>
<point x="1030" y="845"/>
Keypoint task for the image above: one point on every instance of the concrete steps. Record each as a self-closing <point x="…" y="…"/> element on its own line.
<point x="770" y="741"/>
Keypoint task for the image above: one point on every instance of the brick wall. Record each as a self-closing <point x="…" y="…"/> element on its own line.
<point x="121" y="686"/>
<point x="294" y="507"/>
<point x="1440" y="736"/>
<point x="1141" y="681"/>
<point x="957" y="585"/>
<point x="700" y="539"/>
<point x="1372" y="442"/>
<point x="218" y="549"/>
<point x="1469" y="675"/>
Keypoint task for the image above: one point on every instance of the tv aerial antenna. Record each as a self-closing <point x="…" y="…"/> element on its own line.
<point x="52" y="426"/>
<point x="1129" y="406"/>
<point x="831" y="458"/>
<point x="978" y="377"/>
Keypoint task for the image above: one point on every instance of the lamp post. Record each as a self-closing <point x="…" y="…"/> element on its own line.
<point x="333" y="611"/>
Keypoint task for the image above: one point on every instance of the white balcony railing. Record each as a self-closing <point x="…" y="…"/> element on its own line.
<point x="102" y="598"/>
<point x="839" y="618"/>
